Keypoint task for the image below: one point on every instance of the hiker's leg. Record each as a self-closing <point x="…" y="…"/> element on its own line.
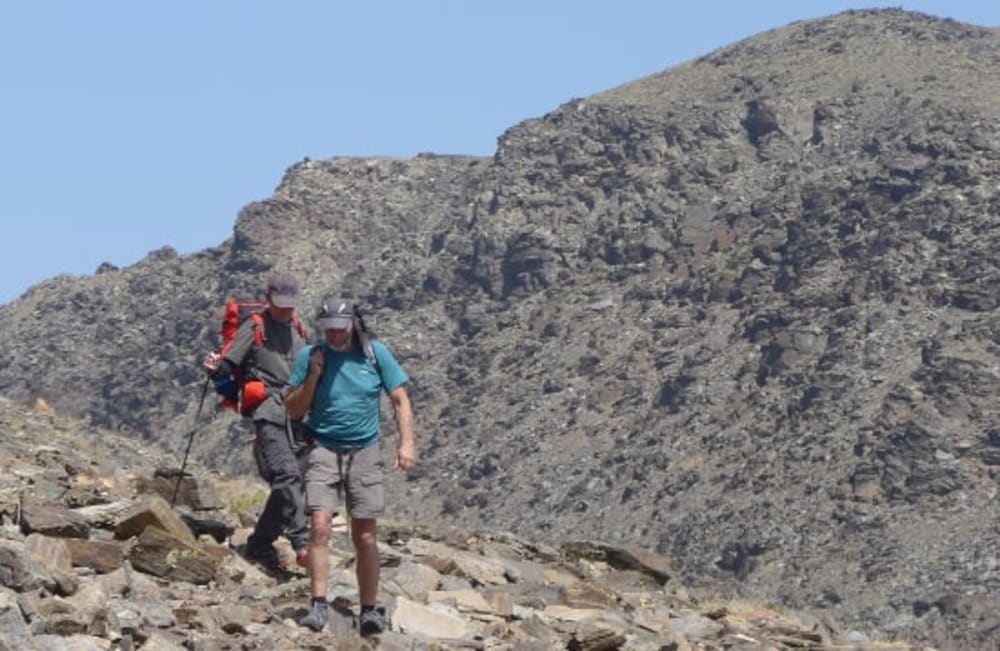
<point x="366" y="501"/>
<point x="364" y="536"/>
<point x="298" y="528"/>
<point x="322" y="478"/>
<point x="319" y="552"/>
<point x="285" y="505"/>
<point x="293" y="474"/>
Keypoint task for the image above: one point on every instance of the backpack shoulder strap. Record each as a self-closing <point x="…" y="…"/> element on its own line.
<point x="365" y="337"/>
<point x="297" y="322"/>
<point x="369" y="350"/>
<point x="258" y="328"/>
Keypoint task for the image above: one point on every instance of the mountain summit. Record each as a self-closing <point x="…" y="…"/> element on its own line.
<point x="743" y="312"/>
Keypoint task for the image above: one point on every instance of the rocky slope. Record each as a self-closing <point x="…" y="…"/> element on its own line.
<point x="742" y="312"/>
<point x="93" y="556"/>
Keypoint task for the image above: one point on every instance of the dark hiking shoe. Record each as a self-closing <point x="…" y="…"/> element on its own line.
<point x="317" y="617"/>
<point x="267" y="558"/>
<point x="373" y="622"/>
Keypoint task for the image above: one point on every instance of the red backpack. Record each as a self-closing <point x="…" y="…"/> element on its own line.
<point x="240" y="393"/>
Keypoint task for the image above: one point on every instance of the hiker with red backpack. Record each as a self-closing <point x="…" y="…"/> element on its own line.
<point x="336" y="387"/>
<point x="251" y="371"/>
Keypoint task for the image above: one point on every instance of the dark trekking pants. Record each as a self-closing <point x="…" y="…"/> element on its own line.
<point x="285" y="510"/>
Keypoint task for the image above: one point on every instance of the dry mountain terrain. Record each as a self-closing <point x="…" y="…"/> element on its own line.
<point x="742" y="312"/>
<point x="93" y="557"/>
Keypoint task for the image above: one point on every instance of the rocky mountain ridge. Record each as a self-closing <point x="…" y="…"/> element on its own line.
<point x="742" y="312"/>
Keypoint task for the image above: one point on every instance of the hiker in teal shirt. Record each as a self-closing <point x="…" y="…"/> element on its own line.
<point x="344" y="413"/>
<point x="336" y="387"/>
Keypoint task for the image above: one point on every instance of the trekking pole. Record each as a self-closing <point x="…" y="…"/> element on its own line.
<point x="194" y="428"/>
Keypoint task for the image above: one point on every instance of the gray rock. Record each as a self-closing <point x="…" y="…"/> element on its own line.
<point x="51" y="519"/>
<point x="162" y="554"/>
<point x="20" y="572"/>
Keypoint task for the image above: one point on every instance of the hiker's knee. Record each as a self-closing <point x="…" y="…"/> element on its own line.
<point x="319" y="529"/>
<point x="286" y="476"/>
<point x="364" y="534"/>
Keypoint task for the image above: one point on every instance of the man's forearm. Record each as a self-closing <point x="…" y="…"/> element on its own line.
<point x="404" y="425"/>
<point x="298" y="400"/>
<point x="404" y="418"/>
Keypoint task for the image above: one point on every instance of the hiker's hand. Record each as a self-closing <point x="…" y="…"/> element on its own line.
<point x="406" y="456"/>
<point x="316" y="360"/>
<point x="211" y="362"/>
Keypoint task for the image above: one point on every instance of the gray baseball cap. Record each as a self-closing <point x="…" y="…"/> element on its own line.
<point x="335" y="313"/>
<point x="283" y="290"/>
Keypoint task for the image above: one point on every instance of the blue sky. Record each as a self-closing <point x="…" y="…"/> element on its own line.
<point x="126" y="126"/>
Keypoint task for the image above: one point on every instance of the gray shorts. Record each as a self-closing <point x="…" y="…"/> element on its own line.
<point x="355" y="475"/>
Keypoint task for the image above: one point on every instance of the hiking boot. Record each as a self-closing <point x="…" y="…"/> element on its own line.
<point x="373" y="622"/>
<point x="317" y="617"/>
<point x="267" y="557"/>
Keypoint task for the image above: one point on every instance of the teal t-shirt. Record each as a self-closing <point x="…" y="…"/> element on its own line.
<point x="345" y="407"/>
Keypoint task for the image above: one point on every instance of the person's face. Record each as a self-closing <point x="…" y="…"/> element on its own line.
<point x="279" y="314"/>
<point x="338" y="338"/>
